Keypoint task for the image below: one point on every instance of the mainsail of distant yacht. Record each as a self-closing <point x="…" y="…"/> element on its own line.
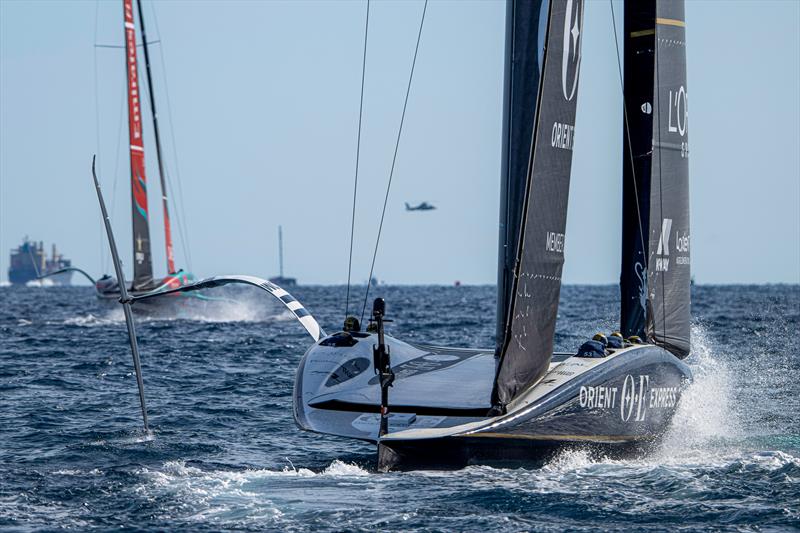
<point x="107" y="287"/>
<point x="437" y="406"/>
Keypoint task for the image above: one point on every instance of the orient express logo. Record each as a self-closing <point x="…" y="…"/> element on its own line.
<point x="571" y="55"/>
<point x="632" y="401"/>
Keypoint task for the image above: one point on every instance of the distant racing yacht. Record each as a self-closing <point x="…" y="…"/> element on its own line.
<point x="144" y="281"/>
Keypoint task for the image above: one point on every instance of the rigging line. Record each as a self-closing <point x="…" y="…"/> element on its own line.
<point x="627" y="129"/>
<point x="180" y="211"/>
<point x="97" y="119"/>
<point x="116" y="164"/>
<point x="394" y="159"/>
<point x="358" y="158"/>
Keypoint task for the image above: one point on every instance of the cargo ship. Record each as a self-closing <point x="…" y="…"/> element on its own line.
<point x="29" y="262"/>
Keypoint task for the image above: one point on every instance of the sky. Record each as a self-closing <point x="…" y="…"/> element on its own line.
<point x="259" y="103"/>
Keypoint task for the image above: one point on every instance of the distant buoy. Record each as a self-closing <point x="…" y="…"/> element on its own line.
<point x="457" y="283"/>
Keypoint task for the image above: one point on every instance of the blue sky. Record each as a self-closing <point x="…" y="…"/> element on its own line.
<point x="264" y="106"/>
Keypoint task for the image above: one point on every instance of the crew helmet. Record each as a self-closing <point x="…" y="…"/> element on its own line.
<point x="599" y="337"/>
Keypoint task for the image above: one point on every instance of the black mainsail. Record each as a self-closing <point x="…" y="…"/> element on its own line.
<point x="655" y="278"/>
<point x="536" y="284"/>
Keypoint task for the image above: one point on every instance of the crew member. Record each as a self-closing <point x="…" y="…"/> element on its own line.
<point x="616" y="341"/>
<point x="595" y="347"/>
<point x="351" y="324"/>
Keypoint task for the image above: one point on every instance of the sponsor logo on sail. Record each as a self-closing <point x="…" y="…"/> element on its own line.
<point x="662" y="253"/>
<point x="562" y="136"/>
<point x="139" y="253"/>
<point x="641" y="273"/>
<point x="554" y="242"/>
<point x="571" y="54"/>
<point x="682" y="246"/>
<point x="678" y="107"/>
<point x="647" y="108"/>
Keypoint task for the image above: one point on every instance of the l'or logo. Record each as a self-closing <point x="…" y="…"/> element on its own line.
<point x="663" y="240"/>
<point x="678" y="102"/>
<point x="571" y="55"/>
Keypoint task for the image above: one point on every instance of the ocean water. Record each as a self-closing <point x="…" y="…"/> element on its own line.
<point x="225" y="453"/>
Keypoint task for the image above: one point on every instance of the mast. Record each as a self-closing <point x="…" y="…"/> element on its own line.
<point x="164" y="202"/>
<point x="656" y="278"/>
<point x="530" y="322"/>
<point x="142" y="257"/>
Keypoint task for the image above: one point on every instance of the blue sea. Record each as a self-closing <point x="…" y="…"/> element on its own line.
<point x="225" y="453"/>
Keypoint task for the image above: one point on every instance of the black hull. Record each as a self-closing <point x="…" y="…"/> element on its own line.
<point x="531" y="452"/>
<point x="614" y="406"/>
<point x="169" y="306"/>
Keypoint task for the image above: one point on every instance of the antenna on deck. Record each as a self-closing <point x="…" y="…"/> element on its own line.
<point x="382" y="362"/>
<point x="124" y="299"/>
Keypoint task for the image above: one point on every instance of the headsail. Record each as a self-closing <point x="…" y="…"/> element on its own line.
<point x="142" y="258"/>
<point x="530" y="322"/>
<point x="526" y="27"/>
<point x="655" y="280"/>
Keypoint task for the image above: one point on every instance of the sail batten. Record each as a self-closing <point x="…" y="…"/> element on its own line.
<point x="536" y="284"/>
<point x="142" y="257"/>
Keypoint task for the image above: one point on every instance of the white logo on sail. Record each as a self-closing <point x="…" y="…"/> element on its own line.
<point x="678" y="102"/>
<point x="554" y="242"/>
<point x="662" y="263"/>
<point x="571" y="55"/>
<point x="641" y="273"/>
<point x="663" y="241"/>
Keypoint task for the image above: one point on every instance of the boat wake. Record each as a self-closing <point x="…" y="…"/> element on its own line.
<point x="705" y="421"/>
<point x="707" y="431"/>
<point x="218" y="312"/>
<point x="251" y="496"/>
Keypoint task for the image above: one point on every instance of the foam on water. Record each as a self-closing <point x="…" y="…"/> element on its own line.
<point x="240" y="496"/>
<point x="705" y="419"/>
<point x="227" y="311"/>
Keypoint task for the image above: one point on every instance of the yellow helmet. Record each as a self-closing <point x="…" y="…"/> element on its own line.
<point x="617" y="334"/>
<point x="599" y="337"/>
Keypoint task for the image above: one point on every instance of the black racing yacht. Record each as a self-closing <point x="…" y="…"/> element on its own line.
<point x="434" y="406"/>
